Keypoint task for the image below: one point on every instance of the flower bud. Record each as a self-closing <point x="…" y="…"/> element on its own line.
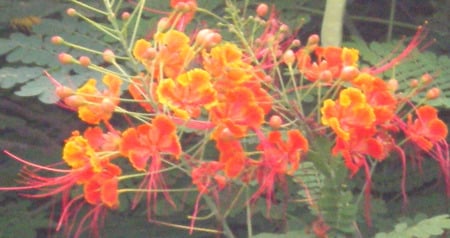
<point x="426" y="79"/>
<point x="414" y="83"/>
<point x="163" y="24"/>
<point x="262" y="10"/>
<point x="433" y="93"/>
<point x="63" y="92"/>
<point x="57" y="40"/>
<point x="348" y="73"/>
<point x="313" y="40"/>
<point x="65" y="58"/>
<point x="392" y="84"/>
<point x="84" y="61"/>
<point x="108" y="56"/>
<point x="71" y="12"/>
<point x="296" y="43"/>
<point x="275" y="122"/>
<point x="289" y="57"/>
<point x="125" y="16"/>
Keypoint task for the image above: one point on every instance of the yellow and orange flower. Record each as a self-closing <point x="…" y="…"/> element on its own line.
<point x="98" y="106"/>
<point x="224" y="63"/>
<point x="378" y="95"/>
<point x="349" y="113"/>
<point x="188" y="93"/>
<point x="173" y="54"/>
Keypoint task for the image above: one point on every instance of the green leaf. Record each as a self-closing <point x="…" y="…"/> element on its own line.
<point x="9" y="76"/>
<point x="423" y="229"/>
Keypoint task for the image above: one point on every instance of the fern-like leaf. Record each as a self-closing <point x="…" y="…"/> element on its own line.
<point x="423" y="229"/>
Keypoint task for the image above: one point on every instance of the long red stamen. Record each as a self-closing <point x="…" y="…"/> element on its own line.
<point x="413" y="44"/>
<point x="35" y="165"/>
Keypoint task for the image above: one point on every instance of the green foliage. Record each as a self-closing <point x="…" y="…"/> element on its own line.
<point x="20" y="213"/>
<point x="28" y="56"/>
<point x="417" y="64"/>
<point x="324" y="186"/>
<point x="425" y="228"/>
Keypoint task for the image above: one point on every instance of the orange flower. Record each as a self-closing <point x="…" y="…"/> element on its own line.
<point x="378" y="95"/>
<point x="174" y="54"/>
<point x="187" y="93"/>
<point x="278" y="159"/>
<point x="231" y="156"/>
<point x="349" y="113"/>
<point x="149" y="141"/>
<point x="362" y="143"/>
<point x="81" y="151"/>
<point x="328" y="64"/>
<point x="98" y="105"/>
<point x="427" y="129"/>
<point x="237" y="111"/>
<point x="142" y="50"/>
<point x="207" y="175"/>
<point x="283" y="157"/>
<point x="102" y="187"/>
<point x="224" y="63"/>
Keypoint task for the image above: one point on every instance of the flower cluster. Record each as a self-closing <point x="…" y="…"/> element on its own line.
<point x="192" y="91"/>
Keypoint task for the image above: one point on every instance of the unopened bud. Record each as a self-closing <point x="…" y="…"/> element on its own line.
<point x="71" y="12"/>
<point x="348" y="73"/>
<point x="414" y="83"/>
<point x="275" y="121"/>
<point x="296" y="43"/>
<point x="313" y="40"/>
<point x="289" y="57"/>
<point x="392" y="84"/>
<point x="433" y="93"/>
<point x="262" y="10"/>
<point x="426" y="79"/>
<point x="163" y="24"/>
<point x="65" y="58"/>
<point x="108" y="56"/>
<point x="84" y="61"/>
<point x="125" y="16"/>
<point x="57" y="40"/>
<point x="63" y="92"/>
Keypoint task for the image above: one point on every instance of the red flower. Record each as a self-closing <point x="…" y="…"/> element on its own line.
<point x="427" y="129"/>
<point x="278" y="159"/>
<point x="102" y="187"/>
<point x="150" y="141"/>
<point x="207" y="175"/>
<point x="237" y="112"/>
<point x="97" y="106"/>
<point x="328" y="63"/>
<point x="231" y="156"/>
